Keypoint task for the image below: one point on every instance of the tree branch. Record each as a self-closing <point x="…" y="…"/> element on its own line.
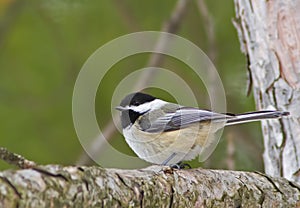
<point x="15" y="159"/>
<point x="155" y="186"/>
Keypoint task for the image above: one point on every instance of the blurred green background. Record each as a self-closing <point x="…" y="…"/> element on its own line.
<point x="45" y="43"/>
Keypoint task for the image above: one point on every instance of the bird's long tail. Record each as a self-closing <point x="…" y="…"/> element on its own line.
<point x="254" y="116"/>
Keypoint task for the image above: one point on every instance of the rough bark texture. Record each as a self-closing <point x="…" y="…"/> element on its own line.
<point x="269" y="33"/>
<point x="57" y="186"/>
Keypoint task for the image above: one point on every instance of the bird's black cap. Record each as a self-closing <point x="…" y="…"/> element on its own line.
<point x="136" y="99"/>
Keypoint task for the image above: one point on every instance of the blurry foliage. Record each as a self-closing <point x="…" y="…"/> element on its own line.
<point x="45" y="43"/>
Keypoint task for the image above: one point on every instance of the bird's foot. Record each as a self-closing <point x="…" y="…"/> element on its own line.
<point x="180" y="166"/>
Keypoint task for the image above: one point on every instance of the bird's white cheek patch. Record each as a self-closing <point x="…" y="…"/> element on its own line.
<point x="155" y="104"/>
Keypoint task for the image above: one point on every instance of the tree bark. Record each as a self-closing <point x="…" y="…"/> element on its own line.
<point x="269" y="34"/>
<point x="155" y="186"/>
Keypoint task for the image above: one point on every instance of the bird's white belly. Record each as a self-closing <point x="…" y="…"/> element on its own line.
<point x="183" y="144"/>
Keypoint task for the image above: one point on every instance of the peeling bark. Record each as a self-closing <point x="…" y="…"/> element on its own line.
<point x="155" y="186"/>
<point x="269" y="33"/>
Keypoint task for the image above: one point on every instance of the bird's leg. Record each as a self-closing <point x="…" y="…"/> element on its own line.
<point x="179" y="165"/>
<point x="169" y="158"/>
<point x="176" y="166"/>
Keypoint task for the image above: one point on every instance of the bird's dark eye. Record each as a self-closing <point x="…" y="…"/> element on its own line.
<point x="135" y="103"/>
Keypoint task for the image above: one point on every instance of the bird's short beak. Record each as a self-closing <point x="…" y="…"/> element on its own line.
<point x="120" y="108"/>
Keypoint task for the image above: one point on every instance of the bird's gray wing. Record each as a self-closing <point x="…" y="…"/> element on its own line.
<point x="181" y="118"/>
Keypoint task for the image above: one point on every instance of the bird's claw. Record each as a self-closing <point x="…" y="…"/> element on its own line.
<point x="180" y="166"/>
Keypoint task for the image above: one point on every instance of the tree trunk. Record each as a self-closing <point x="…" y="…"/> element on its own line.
<point x="57" y="186"/>
<point x="269" y="33"/>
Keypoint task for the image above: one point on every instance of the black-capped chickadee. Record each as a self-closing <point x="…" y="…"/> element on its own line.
<point x="167" y="133"/>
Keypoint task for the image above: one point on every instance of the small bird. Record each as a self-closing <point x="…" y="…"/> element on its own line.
<point x="166" y="133"/>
